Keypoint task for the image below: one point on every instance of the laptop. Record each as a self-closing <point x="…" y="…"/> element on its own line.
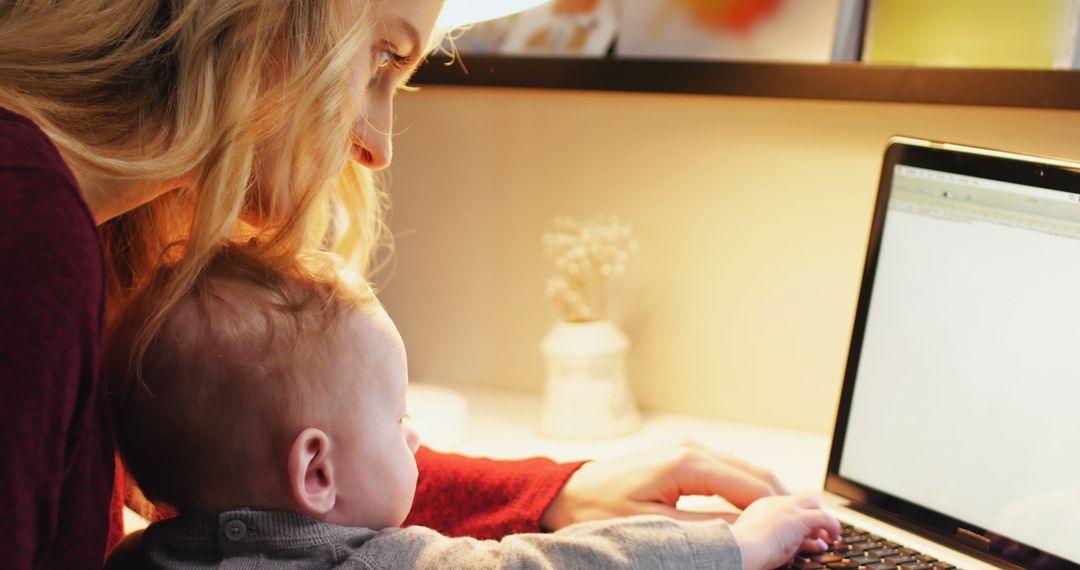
<point x="957" y="441"/>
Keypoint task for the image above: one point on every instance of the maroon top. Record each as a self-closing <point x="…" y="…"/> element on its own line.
<point x="56" y="451"/>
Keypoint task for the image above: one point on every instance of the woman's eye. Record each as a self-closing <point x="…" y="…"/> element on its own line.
<point x="383" y="58"/>
<point x="386" y="63"/>
<point x="387" y="57"/>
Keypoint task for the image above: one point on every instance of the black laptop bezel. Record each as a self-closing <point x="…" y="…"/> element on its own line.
<point x="969" y="161"/>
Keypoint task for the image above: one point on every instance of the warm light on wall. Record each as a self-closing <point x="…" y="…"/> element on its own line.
<point x="461" y="12"/>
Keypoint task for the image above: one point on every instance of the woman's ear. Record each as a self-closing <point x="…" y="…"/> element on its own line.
<point x="311" y="473"/>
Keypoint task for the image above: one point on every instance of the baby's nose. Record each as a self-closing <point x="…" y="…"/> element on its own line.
<point x="412" y="438"/>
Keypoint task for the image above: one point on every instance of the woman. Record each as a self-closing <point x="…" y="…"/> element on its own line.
<point x="175" y="125"/>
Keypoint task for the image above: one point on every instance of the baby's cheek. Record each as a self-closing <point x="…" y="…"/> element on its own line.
<point x="409" y="483"/>
<point x="405" y="502"/>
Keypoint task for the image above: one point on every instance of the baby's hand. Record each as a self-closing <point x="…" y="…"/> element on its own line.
<point x="772" y="530"/>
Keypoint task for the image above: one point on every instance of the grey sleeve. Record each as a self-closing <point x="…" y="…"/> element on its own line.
<point x="636" y="542"/>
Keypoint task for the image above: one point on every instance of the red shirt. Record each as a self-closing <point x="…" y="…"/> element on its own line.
<point x="484" y="498"/>
<point x="56" y="450"/>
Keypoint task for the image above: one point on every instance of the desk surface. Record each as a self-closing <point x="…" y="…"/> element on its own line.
<point x="503" y="424"/>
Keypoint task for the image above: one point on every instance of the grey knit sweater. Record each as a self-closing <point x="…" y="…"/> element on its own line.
<point x="261" y="539"/>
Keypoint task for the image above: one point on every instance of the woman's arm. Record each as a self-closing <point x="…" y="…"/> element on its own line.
<point x="484" y="498"/>
<point x="57" y="466"/>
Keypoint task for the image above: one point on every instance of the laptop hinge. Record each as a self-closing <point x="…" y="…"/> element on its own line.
<point x="973" y="539"/>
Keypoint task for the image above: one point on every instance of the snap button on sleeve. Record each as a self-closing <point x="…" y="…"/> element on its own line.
<point x="235" y="530"/>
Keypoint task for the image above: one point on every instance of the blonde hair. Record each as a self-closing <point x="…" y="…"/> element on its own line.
<point x="148" y="91"/>
<point x="240" y="365"/>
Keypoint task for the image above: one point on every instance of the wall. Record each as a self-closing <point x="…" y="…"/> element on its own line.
<point x="752" y="215"/>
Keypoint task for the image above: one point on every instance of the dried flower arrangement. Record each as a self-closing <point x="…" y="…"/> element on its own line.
<point x="586" y="255"/>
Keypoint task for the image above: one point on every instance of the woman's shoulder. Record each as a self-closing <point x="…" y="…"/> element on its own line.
<point x="36" y="184"/>
<point x="27" y="150"/>
<point x="21" y="139"/>
<point x="47" y="235"/>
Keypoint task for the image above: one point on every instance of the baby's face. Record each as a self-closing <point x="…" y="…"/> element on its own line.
<point x="373" y="447"/>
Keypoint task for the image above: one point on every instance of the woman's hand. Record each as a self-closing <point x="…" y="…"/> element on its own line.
<point x="651" y="482"/>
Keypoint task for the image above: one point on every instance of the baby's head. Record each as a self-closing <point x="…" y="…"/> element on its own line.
<point x="269" y="389"/>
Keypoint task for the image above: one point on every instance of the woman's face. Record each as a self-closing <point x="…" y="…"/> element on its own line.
<point x="397" y="44"/>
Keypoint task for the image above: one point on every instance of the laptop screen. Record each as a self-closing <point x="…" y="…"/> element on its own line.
<point x="965" y="398"/>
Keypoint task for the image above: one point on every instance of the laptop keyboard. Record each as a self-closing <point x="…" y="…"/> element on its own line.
<point x="860" y="550"/>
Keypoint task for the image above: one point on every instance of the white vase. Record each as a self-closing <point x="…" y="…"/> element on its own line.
<point x="586" y="394"/>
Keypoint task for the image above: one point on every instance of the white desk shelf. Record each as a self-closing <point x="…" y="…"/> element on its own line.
<point x="503" y="424"/>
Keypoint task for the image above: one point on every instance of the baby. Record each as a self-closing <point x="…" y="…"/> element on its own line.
<point x="269" y="412"/>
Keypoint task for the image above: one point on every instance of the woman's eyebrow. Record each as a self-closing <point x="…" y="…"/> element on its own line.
<point x="409" y="31"/>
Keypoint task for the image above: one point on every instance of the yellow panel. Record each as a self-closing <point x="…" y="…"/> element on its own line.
<point x="971" y="33"/>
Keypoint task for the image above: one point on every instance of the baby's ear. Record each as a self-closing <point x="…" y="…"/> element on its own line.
<point x="311" y="473"/>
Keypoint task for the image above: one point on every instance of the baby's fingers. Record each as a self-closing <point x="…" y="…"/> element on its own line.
<point x="808" y="501"/>
<point x="814" y="546"/>
<point x="817" y="520"/>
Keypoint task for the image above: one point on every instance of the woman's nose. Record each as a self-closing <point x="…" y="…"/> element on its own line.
<point x="374" y="146"/>
<point x="374" y="152"/>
